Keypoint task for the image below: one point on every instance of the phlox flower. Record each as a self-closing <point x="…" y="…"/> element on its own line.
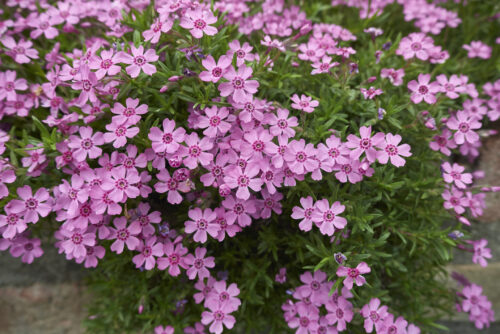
<point x="171" y="186"/>
<point x="394" y="76"/>
<point x="326" y="216"/>
<point x="139" y="61"/>
<point x="423" y="90"/>
<point x="196" y="151"/>
<point x="218" y="317"/>
<point x="35" y="158"/>
<point x="311" y="51"/>
<point x="130" y="114"/>
<point x="167" y="140"/>
<point x="390" y="326"/>
<point x="348" y="171"/>
<point x="281" y="124"/>
<point x="224" y="226"/>
<point x="242" y="52"/>
<point x="213" y="121"/>
<point x="314" y="287"/>
<point x="74" y="241"/>
<point x="119" y="132"/>
<point x="205" y="289"/>
<point x="223" y="295"/>
<point x="443" y="142"/>
<point x="145" y="218"/>
<point x="43" y="24"/>
<point x="7" y="175"/>
<point x="339" y="312"/>
<point x="257" y="143"/>
<point x="475" y="108"/>
<point x="305" y="213"/>
<point x="125" y="235"/>
<point x="415" y="45"/>
<point x="299" y="157"/>
<point x="455" y="174"/>
<point x="153" y="34"/>
<point x="391" y="150"/>
<point x="366" y="144"/>
<point x="477" y="49"/>
<point x="9" y="84"/>
<point x="451" y="87"/>
<point x="353" y="275"/>
<point x="198" y="22"/>
<point x="87" y="83"/>
<point x="174" y="258"/>
<point x="122" y="183"/>
<point x="455" y="200"/>
<point x="306" y="320"/>
<point x="27" y="249"/>
<point x="239" y="87"/>
<point x="86" y="145"/>
<point x="31" y="206"/>
<point x="202" y="223"/>
<point x="270" y="202"/>
<point x="464" y="124"/>
<point x="105" y="64"/>
<point x="147" y="253"/>
<point x="14" y="224"/>
<point x="243" y="179"/>
<point x="371" y="92"/>
<point x="481" y="252"/>
<point x="199" y="264"/>
<point x="20" y="51"/>
<point x="238" y="210"/>
<point x="374" y="314"/>
<point x="214" y="71"/>
<point x="323" y="66"/>
<point x="305" y="103"/>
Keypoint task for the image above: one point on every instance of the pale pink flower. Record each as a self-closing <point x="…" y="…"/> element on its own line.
<point x="153" y="34"/>
<point x="198" y="22"/>
<point x="125" y="235"/>
<point x="199" y="264"/>
<point x="478" y="49"/>
<point x="239" y="87"/>
<point x="202" y="223"/>
<point x="167" y="140"/>
<point x="423" y="90"/>
<point x="214" y="71"/>
<point x="464" y="124"/>
<point x="391" y="150"/>
<point x="326" y="216"/>
<point x="394" y="76"/>
<point x="21" y="51"/>
<point x="31" y="206"/>
<point x="353" y="275"/>
<point x="455" y="174"/>
<point x="105" y="64"/>
<point x="139" y="61"/>
<point x="305" y="103"/>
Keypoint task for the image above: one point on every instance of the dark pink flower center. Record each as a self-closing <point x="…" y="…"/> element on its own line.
<point x="340" y="313"/>
<point x="238" y="209"/>
<point x="167" y="138"/>
<point x="123" y="234"/>
<point x="352" y="272"/>
<point x="258" y="145"/>
<point x="106" y="63"/>
<point x="315" y="285"/>
<point x="218" y="315"/>
<point x="9" y="86"/>
<point x="217" y="72"/>
<point x="194" y="151"/>
<point x="174" y="259"/>
<point x="87" y="85"/>
<point x="147" y="251"/>
<point x="198" y="263"/>
<point x="199" y="24"/>
<point x="202" y="224"/>
<point x="463" y="127"/>
<point x="301" y="156"/>
<point x="19" y="50"/>
<point x="214" y="121"/>
<point x="129" y="112"/>
<point x="423" y="89"/>
<point x="121" y="184"/>
<point x="328" y="216"/>
<point x="243" y="181"/>
<point x="120" y="131"/>
<point x="28" y="247"/>
<point x="238" y="83"/>
<point x="44" y="25"/>
<point x="374" y="316"/>
<point x="391" y="150"/>
<point x="139" y="60"/>
<point x="282" y="123"/>
<point x="304" y="321"/>
<point x="77" y="238"/>
<point x="365" y="143"/>
<point x="416" y="46"/>
<point x="31" y="204"/>
<point x="12" y="219"/>
<point x="87" y="144"/>
<point x="346" y="169"/>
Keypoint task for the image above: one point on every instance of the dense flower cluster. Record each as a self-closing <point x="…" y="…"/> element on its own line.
<point x="233" y="157"/>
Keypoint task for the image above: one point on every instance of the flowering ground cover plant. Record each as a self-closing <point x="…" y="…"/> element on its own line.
<point x="257" y="165"/>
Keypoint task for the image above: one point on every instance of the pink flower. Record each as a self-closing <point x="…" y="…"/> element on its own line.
<point x="197" y="329"/>
<point x="475" y="108"/>
<point x="474" y="300"/>
<point x="6" y="176"/>
<point x="43" y="24"/>
<point x="119" y="132"/>
<point x="221" y="295"/>
<point x="481" y="252"/>
<point x="145" y="218"/>
<point x="282" y="124"/>
<point x="28" y="249"/>
<point x="164" y="330"/>
<point x="422" y="90"/>
<point x="464" y="124"/>
<point x="130" y="114"/>
<point x="339" y="312"/>
<point x="299" y="157"/>
<point x="353" y="274"/>
<point x="14" y="223"/>
<point x="174" y="258"/>
<point x="371" y="92"/>
<point x="307" y="320"/>
<point x="86" y="145"/>
<point x="125" y="235"/>
<point x="305" y="103"/>
<point x="454" y="200"/>
<point x="238" y="85"/>
<point x="74" y="241"/>
<point x="311" y="51"/>
<point x="281" y="276"/>
<point x="315" y="287"/>
<point x="199" y="264"/>
<point x="305" y="213"/>
<point x="238" y="210"/>
<point x="243" y="179"/>
<point x="35" y="158"/>
<point x="205" y="289"/>
<point x="415" y="45"/>
<point x="390" y="326"/>
<point x="215" y="71"/>
<point x="167" y="140"/>
<point x="147" y="253"/>
<point x="31" y="206"/>
<point x="443" y="142"/>
<point x="366" y="144"/>
<point x="202" y="222"/>
<point x="455" y="175"/>
<point x="198" y="22"/>
<point x="395" y="76"/>
<point x="393" y="151"/>
<point x="242" y="52"/>
<point x="218" y="316"/>
<point x="21" y="51"/>
<point x="213" y="121"/>
<point x="139" y="60"/>
<point x="87" y="83"/>
<point x="171" y="186"/>
<point x="196" y="151"/>
<point x="326" y="216"/>
<point x="478" y="49"/>
<point x="348" y="171"/>
<point x="158" y="26"/>
<point x="122" y="183"/>
<point x="374" y="314"/>
<point x="323" y="66"/>
<point x="105" y="64"/>
<point x="256" y="143"/>
<point x="452" y="87"/>
<point x="9" y="85"/>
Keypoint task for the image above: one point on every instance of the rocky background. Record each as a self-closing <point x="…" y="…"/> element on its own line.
<point x="48" y="297"/>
